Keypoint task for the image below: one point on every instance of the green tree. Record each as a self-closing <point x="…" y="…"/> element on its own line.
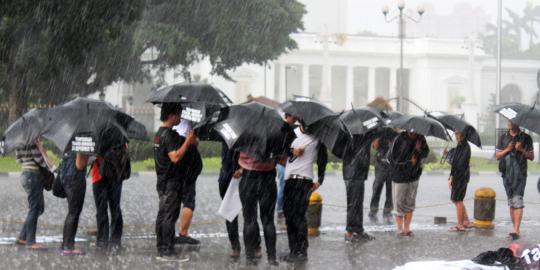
<point x="52" y="50"/>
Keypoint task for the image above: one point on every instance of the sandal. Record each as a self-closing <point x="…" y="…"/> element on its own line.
<point x="408" y="234"/>
<point x="468" y="226"/>
<point x="34" y="247"/>
<point x="20" y="242"/>
<point x="456" y="229"/>
<point x="513" y="236"/>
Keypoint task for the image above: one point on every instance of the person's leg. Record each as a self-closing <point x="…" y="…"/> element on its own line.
<point x="281" y="187"/>
<point x="75" y="188"/>
<point x="36" y="204"/>
<point x="388" y="203"/>
<point x="355" y="213"/>
<point x="267" y="202"/>
<point x="518" y="215"/>
<point x="232" y="227"/>
<point x="188" y="199"/>
<point x="289" y="193"/>
<point x="185" y="220"/>
<point x="378" y="184"/>
<point x="407" y="222"/>
<point x="397" y="197"/>
<point x="248" y="197"/>
<point x="117" y="221"/>
<point x="410" y="204"/>
<point x="301" y="226"/>
<point x="101" y="194"/>
<point x="172" y="202"/>
<point x="160" y="219"/>
<point x="459" y="213"/>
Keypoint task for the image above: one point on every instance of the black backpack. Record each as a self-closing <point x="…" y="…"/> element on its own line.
<point x="115" y="164"/>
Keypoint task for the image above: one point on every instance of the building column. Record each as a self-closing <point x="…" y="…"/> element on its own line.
<point x="282" y="82"/>
<point x="349" y="86"/>
<point x="371" y="84"/>
<point x="305" y="80"/>
<point x="393" y="83"/>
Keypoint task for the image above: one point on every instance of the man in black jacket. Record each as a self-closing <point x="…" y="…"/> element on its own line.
<point x="406" y="156"/>
<point x="355" y="172"/>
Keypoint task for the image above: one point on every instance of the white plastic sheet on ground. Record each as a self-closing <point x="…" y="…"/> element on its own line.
<point x="445" y="265"/>
<point x="231" y="206"/>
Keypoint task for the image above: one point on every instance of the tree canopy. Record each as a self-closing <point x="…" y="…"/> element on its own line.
<point x="52" y="50"/>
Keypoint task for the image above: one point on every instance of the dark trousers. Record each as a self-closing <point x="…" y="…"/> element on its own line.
<point x="107" y="196"/>
<point x="232" y="227"/>
<point x="168" y="213"/>
<point x="295" y="205"/>
<point x="382" y="179"/>
<point x="36" y="205"/>
<point x="75" y="187"/>
<point x="259" y="188"/>
<point x="355" y="205"/>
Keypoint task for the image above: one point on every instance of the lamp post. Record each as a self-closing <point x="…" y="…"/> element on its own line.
<point x="287" y="68"/>
<point x="401" y="16"/>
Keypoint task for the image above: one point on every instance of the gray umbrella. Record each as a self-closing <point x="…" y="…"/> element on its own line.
<point x="76" y="123"/>
<point x="420" y="124"/>
<point x="522" y="115"/>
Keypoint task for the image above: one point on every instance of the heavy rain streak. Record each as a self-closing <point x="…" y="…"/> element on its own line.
<point x="270" y="134"/>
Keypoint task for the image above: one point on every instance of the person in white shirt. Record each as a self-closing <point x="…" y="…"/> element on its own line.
<point x="299" y="184"/>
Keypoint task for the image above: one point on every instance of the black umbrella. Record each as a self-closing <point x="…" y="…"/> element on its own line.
<point x="252" y="128"/>
<point x="522" y="115"/>
<point x="420" y="124"/>
<point x="331" y="132"/>
<point x="190" y="93"/>
<point x="24" y="131"/>
<point x="361" y="120"/>
<point x="306" y="109"/>
<point x="77" y="124"/>
<point x="453" y="122"/>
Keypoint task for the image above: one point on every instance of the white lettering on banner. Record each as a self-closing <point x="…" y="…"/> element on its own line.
<point x="83" y="144"/>
<point x="508" y="113"/>
<point x="303" y="99"/>
<point x="437" y="114"/>
<point x="191" y="114"/>
<point x="531" y="255"/>
<point x="371" y="122"/>
<point x="228" y="132"/>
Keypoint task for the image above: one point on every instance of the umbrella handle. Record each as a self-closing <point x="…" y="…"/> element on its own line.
<point x="444" y="158"/>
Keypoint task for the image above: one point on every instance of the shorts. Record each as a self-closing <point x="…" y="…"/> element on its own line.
<point x="188" y="195"/>
<point x="458" y="191"/>
<point x="515" y="189"/>
<point x="404" y="197"/>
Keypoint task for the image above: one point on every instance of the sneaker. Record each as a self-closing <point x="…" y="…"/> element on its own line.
<point x="235" y="254"/>
<point x="355" y="238"/>
<point x="258" y="253"/>
<point x="289" y="258"/>
<point x="273" y="262"/>
<point x="186" y="240"/>
<point x="171" y="257"/>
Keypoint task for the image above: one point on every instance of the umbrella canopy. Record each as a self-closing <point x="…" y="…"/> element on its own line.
<point x="306" y="109"/>
<point x="24" y="131"/>
<point x="522" y="115"/>
<point x="453" y="122"/>
<point x="76" y="123"/>
<point x="190" y="93"/>
<point x="331" y="132"/>
<point x="254" y="129"/>
<point x="361" y="120"/>
<point x="265" y="101"/>
<point x="420" y="124"/>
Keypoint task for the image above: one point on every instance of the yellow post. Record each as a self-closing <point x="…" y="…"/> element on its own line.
<point x="314" y="214"/>
<point x="484" y="208"/>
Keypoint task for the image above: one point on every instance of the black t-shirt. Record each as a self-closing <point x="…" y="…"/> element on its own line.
<point x="527" y="142"/>
<point x="460" y="163"/>
<point x="403" y="149"/>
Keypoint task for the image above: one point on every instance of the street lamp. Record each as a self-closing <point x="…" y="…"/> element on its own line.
<point x="287" y="68"/>
<point x="401" y="16"/>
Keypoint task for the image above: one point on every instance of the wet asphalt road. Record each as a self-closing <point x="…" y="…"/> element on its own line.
<point x="327" y="251"/>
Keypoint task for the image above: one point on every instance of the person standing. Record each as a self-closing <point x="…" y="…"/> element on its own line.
<point x="72" y="174"/>
<point x="355" y="173"/>
<point x="513" y="150"/>
<point x="405" y="158"/>
<point x="382" y="176"/>
<point x="170" y="152"/>
<point x="32" y="158"/>
<point x="458" y="180"/>
<point x="108" y="171"/>
<point x="299" y="184"/>
<point x="194" y="165"/>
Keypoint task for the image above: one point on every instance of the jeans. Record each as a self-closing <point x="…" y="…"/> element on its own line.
<point x="75" y="187"/>
<point x="168" y="213"/>
<point x="259" y="188"/>
<point x="295" y="205"/>
<point x="355" y="206"/>
<point x="281" y="186"/>
<point x="382" y="179"/>
<point x="36" y="205"/>
<point x="232" y="227"/>
<point x="107" y="196"/>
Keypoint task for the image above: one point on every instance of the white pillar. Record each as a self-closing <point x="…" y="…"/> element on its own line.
<point x="349" y="86"/>
<point x="305" y="80"/>
<point x="393" y="83"/>
<point x="371" y="84"/>
<point x="282" y="82"/>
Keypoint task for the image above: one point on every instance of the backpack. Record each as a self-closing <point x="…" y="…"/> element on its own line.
<point x="116" y="164"/>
